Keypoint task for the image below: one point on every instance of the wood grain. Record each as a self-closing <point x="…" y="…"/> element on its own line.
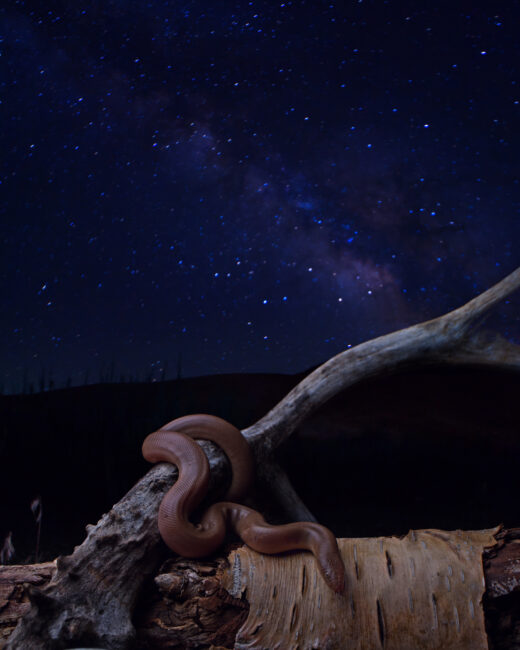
<point x="14" y="583"/>
<point x="423" y="591"/>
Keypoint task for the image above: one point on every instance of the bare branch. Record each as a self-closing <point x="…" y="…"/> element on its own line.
<point x="446" y="339"/>
<point x="283" y="494"/>
<point x="476" y="308"/>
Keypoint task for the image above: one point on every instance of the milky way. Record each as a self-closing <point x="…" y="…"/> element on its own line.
<point x="248" y="186"/>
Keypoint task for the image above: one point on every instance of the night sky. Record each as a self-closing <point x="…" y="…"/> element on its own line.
<point x="251" y="185"/>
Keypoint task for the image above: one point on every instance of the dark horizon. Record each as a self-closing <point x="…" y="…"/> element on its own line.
<point x="108" y="374"/>
<point x="373" y="440"/>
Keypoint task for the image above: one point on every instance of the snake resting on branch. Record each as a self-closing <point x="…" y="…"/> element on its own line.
<point x="175" y="443"/>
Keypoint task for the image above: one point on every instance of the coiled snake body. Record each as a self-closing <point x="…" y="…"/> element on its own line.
<point x="174" y="443"/>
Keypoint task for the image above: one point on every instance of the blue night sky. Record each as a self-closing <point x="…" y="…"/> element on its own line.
<point x="255" y="185"/>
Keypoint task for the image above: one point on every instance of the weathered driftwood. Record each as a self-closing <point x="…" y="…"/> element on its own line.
<point x="15" y="581"/>
<point x="92" y="596"/>
<point x="184" y="606"/>
<point x="191" y="604"/>
<point x="450" y="339"/>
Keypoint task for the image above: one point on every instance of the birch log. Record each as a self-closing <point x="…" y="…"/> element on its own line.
<point x="422" y="591"/>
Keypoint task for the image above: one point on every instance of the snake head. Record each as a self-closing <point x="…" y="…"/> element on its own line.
<point x="333" y="570"/>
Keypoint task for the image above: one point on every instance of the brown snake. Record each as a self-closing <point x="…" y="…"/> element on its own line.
<point x="174" y="443"/>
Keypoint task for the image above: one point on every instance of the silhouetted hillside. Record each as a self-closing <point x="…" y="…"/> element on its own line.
<point x="435" y="447"/>
<point x="80" y="448"/>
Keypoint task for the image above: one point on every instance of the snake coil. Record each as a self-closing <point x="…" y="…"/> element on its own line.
<point x="175" y="443"/>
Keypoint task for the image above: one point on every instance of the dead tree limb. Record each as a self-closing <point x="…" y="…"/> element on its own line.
<point x="450" y="339"/>
<point x="91" y="598"/>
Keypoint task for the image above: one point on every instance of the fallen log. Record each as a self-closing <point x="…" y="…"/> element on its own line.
<point x="201" y="603"/>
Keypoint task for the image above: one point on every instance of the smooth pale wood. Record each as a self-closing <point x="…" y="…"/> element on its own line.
<point x="421" y="591"/>
<point x="452" y="339"/>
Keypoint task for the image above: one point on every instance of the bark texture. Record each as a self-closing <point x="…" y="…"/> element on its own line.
<point x="15" y="583"/>
<point x="204" y="604"/>
<point x="91" y="597"/>
<point x="421" y="591"/>
<point x="186" y="606"/>
<point x="502" y="597"/>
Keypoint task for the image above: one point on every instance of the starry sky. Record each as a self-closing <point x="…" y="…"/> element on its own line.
<point x="248" y="186"/>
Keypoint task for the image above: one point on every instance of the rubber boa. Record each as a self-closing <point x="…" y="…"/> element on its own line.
<point x="175" y="443"/>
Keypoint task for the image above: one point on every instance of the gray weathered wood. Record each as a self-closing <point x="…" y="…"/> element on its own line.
<point x="450" y="339"/>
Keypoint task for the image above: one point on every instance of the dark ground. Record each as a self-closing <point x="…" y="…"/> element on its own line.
<point x="435" y="447"/>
